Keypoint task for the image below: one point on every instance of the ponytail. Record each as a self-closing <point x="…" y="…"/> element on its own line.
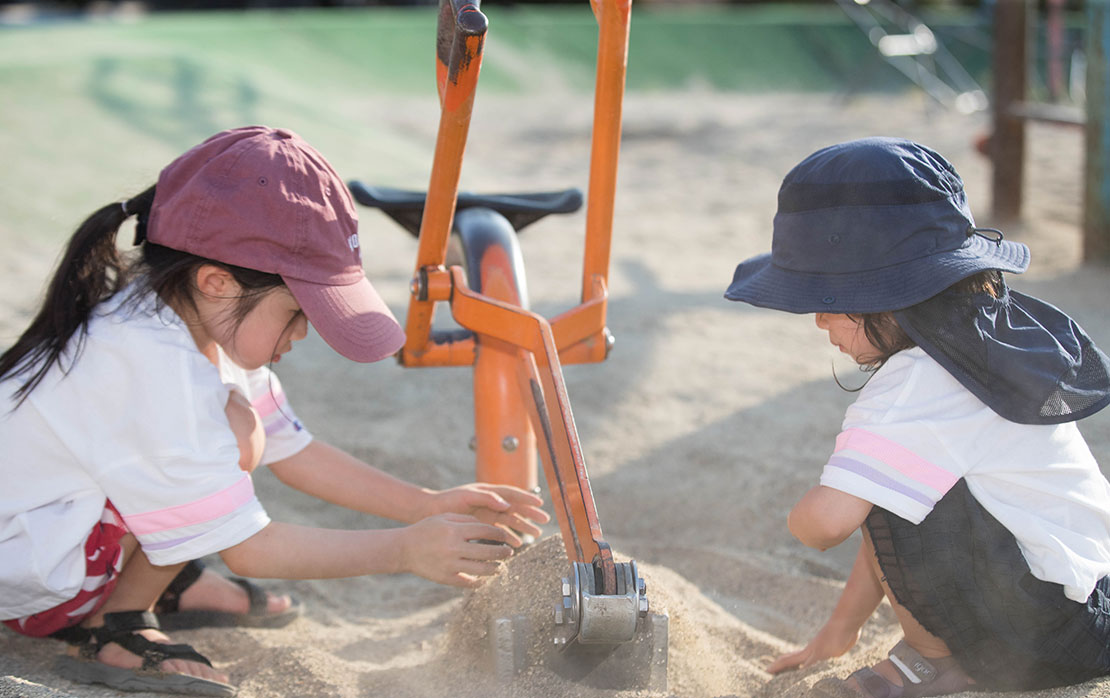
<point x="90" y="272"/>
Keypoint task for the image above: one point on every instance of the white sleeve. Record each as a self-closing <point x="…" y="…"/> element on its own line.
<point x="890" y="451"/>
<point x="157" y="442"/>
<point x="285" y="435"/>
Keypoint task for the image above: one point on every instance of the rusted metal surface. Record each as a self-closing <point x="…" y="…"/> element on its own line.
<point x="1007" y="142"/>
<point x="1096" y="198"/>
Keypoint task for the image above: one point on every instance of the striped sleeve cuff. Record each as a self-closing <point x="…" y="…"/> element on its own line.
<point x="205" y="526"/>
<point x="886" y="474"/>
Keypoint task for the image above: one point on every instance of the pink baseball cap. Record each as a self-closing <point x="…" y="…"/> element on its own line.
<point x="264" y="199"/>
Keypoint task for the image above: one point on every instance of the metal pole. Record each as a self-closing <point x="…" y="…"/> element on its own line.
<point x="1007" y="146"/>
<point x="1096" y="191"/>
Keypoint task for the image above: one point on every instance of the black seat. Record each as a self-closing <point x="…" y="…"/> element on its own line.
<point x="407" y="207"/>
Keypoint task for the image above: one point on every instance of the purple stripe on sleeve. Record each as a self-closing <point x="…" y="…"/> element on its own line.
<point x="875" y="476"/>
<point x="897" y="457"/>
<point x="162" y="545"/>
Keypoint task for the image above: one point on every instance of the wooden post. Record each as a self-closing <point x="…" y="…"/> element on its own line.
<point x="1007" y="144"/>
<point x="1096" y="191"/>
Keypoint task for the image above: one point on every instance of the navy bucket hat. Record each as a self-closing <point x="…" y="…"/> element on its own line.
<point x="867" y="226"/>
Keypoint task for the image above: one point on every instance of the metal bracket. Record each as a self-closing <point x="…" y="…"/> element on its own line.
<point x="589" y="617"/>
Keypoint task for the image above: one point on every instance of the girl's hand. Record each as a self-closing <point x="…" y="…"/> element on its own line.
<point x="830" y="642"/>
<point x="446" y="549"/>
<point x="509" y="507"/>
<point x="245" y="423"/>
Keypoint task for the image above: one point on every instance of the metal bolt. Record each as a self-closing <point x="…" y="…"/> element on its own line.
<point x="509" y="443"/>
<point x="559" y="640"/>
<point x="568" y="611"/>
<point x="414" y="286"/>
<point x="610" y="340"/>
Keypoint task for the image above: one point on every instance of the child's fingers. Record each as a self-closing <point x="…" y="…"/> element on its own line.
<point x="458" y="518"/>
<point x="793" y="660"/>
<point x="516" y="522"/>
<point x="484" y="498"/>
<point x="478" y="568"/>
<point x="535" y="514"/>
<point x="465" y="581"/>
<point x="511" y="537"/>
<point x="486" y="551"/>
<point x="530" y="512"/>
<point x="482" y="531"/>
<point x="518" y="496"/>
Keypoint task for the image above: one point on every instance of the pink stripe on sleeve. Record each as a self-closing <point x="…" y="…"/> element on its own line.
<point x="896" y="456"/>
<point x="211" y="507"/>
<point x="268" y="403"/>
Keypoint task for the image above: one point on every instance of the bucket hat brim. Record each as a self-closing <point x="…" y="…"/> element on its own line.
<point x="760" y="282"/>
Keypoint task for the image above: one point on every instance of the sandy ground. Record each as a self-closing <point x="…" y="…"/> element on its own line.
<point x="701" y="430"/>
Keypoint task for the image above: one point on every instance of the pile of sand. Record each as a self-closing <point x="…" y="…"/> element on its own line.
<point x="710" y="650"/>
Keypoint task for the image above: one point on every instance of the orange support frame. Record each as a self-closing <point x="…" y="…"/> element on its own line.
<point x="512" y="344"/>
<point x="460" y="38"/>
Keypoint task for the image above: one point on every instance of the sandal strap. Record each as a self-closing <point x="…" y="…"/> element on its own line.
<point x="128" y="622"/>
<point x="120" y="621"/>
<point x="154" y="653"/>
<point x="911" y="664"/>
<point x="171" y="597"/>
<point x="122" y="629"/>
<point x="875" y="685"/>
<point x="259" y="601"/>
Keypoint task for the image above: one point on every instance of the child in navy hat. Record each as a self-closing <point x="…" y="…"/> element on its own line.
<point x="985" y="518"/>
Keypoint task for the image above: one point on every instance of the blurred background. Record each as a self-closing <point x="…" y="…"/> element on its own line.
<point x="96" y="96"/>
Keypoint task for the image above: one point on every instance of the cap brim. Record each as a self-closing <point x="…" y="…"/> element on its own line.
<point x="760" y="282"/>
<point x="352" y="319"/>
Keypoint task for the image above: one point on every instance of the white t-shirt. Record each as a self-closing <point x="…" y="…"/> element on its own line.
<point x="915" y="430"/>
<point x="138" y="420"/>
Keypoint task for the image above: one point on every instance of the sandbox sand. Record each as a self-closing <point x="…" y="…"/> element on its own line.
<point x="701" y="430"/>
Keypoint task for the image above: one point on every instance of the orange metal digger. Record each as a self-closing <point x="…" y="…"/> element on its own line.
<point x="520" y="399"/>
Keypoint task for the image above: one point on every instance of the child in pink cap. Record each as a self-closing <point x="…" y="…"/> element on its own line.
<point x="135" y="405"/>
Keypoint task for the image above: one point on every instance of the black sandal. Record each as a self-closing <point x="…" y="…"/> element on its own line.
<point x="172" y="618"/>
<point x="121" y="628"/>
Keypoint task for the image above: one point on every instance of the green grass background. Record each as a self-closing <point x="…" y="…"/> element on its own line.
<point x="91" y="109"/>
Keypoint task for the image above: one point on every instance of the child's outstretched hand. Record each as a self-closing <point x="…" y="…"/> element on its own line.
<point x="448" y="549"/>
<point x="502" y="505"/>
<point x="829" y="642"/>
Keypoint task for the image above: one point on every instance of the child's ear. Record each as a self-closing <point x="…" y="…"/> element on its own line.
<point x="216" y="282"/>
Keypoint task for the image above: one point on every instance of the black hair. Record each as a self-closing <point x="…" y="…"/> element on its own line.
<point x="92" y="270"/>
<point x="884" y="333"/>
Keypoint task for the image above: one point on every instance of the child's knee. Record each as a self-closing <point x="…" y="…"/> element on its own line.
<point x="247" y="427"/>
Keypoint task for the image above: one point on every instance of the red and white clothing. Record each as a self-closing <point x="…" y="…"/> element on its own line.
<point x="103" y="563"/>
<point x="914" y="431"/>
<point x="138" y="420"/>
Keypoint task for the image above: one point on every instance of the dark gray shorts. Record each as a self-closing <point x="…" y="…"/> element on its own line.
<point x="963" y="577"/>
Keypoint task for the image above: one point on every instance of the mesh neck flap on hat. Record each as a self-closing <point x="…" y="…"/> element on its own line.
<point x="1027" y="360"/>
